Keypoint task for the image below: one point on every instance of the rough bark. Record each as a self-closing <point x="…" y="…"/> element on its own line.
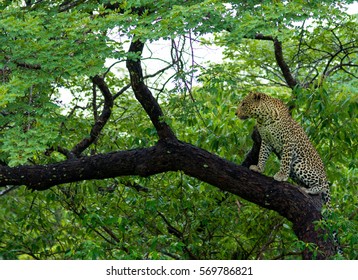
<point x="252" y="157"/>
<point x="143" y="94"/>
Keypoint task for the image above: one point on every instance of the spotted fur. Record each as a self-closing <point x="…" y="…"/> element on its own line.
<point x="282" y="135"/>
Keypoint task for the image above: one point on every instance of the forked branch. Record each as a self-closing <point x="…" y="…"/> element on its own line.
<point x="102" y="119"/>
<point x="144" y="95"/>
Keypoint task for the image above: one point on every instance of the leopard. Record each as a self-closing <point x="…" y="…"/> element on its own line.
<point x="281" y="134"/>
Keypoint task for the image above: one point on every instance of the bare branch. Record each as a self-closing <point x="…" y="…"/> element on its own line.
<point x="285" y="69"/>
<point x="341" y="66"/>
<point x="8" y="189"/>
<point x="121" y="91"/>
<point x="102" y="119"/>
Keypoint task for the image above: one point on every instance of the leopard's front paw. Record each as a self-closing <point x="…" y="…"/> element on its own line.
<point x="255" y="168"/>
<point x="280" y="177"/>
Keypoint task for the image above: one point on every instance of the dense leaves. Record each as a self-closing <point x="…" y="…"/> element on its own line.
<point x="50" y="52"/>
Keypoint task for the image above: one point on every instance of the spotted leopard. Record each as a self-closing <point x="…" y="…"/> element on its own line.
<point x="282" y="135"/>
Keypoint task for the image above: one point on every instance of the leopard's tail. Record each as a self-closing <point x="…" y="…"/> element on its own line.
<point x="327" y="201"/>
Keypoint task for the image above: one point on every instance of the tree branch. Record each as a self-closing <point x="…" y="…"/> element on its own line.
<point x="28" y="66"/>
<point x="285" y="69"/>
<point x="144" y="95"/>
<point x="67" y="5"/>
<point x="290" y="80"/>
<point x="102" y="119"/>
<point x="288" y="200"/>
<point x="252" y="157"/>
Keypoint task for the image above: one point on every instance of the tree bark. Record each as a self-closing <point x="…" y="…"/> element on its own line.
<point x="144" y="95"/>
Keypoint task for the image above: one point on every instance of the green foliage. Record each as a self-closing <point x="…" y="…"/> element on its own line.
<point x="51" y="50"/>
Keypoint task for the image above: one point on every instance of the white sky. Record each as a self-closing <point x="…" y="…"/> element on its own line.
<point x="157" y="52"/>
<point x="353" y="8"/>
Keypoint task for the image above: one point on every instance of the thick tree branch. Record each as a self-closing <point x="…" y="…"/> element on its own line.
<point x="144" y="95"/>
<point x="252" y="157"/>
<point x="171" y="155"/>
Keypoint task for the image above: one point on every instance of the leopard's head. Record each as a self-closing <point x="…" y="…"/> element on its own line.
<point x="249" y="106"/>
<point x="262" y="107"/>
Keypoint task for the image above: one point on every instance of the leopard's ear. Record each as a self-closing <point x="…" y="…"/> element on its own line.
<point x="257" y="95"/>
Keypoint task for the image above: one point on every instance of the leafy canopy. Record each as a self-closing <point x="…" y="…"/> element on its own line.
<point x="48" y="104"/>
